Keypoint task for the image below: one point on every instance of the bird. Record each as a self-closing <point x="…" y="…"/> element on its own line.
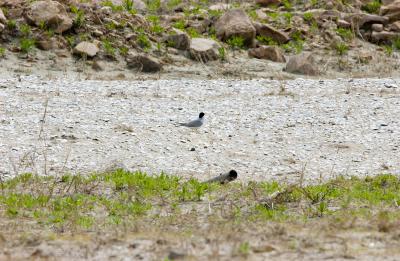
<point x="197" y="123"/>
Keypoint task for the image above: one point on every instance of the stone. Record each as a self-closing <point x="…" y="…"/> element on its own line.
<point x="261" y="14"/>
<point x="52" y="13"/>
<point x="365" y="20"/>
<point x="46" y="44"/>
<point x="143" y="63"/>
<point x="267" y="2"/>
<point x="97" y="66"/>
<point x="272" y="53"/>
<point x="220" y="7"/>
<point x="86" y="49"/>
<point x="395" y="27"/>
<point x="391" y="11"/>
<point x="235" y="22"/>
<point x="2" y="27"/>
<point x="3" y="18"/>
<point x="178" y="39"/>
<point x="302" y="64"/>
<point x="269" y="31"/>
<point x="343" y="24"/>
<point x="384" y="36"/>
<point x="204" y="50"/>
<point x="377" y="27"/>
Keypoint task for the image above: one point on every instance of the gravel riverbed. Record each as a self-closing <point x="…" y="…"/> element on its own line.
<point x="264" y="129"/>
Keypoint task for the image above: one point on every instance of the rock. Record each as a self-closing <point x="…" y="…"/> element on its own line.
<point x="178" y="39"/>
<point x="365" y="20"/>
<point x="143" y="63"/>
<point x="204" y="50"/>
<point x="384" y="36"/>
<point x="272" y="53"/>
<point x="343" y="23"/>
<point x="235" y="22"/>
<point x="220" y="7"/>
<point x="377" y="27"/>
<point x="174" y="255"/>
<point x="269" y="31"/>
<point x="261" y="14"/>
<point x="391" y="11"/>
<point x="395" y="27"/>
<point x="2" y="27"/>
<point x="46" y="44"/>
<point x="52" y="13"/>
<point x="302" y="64"/>
<point x="3" y="18"/>
<point x="268" y="2"/>
<point x="97" y="66"/>
<point x="86" y="49"/>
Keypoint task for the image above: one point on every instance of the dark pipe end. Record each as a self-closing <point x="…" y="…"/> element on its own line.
<point x="233" y="174"/>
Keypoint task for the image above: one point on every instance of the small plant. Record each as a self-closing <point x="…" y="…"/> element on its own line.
<point x="236" y="42"/>
<point x="244" y="248"/>
<point x="192" y="32"/>
<point x="156" y="27"/>
<point x="79" y="16"/>
<point x="388" y="50"/>
<point x="173" y="3"/>
<point x="288" y="17"/>
<point x="341" y="48"/>
<point x="253" y="14"/>
<point x="110" y="26"/>
<point x="287" y="4"/>
<point x="180" y="24"/>
<point x="308" y="17"/>
<point x="42" y="25"/>
<point x="26" y="44"/>
<point x="372" y="7"/>
<point x="2" y="52"/>
<point x="128" y="5"/>
<point x="11" y="24"/>
<point x="396" y="43"/>
<point x="153" y="5"/>
<point x="214" y="14"/>
<point x="143" y="41"/>
<point x="346" y="34"/>
<point x="114" y="8"/>
<point x="123" y="51"/>
<point x="266" y="40"/>
<point x="25" y="30"/>
<point x="222" y="53"/>
<point x="108" y="48"/>
<point x="273" y="15"/>
<point x="70" y="40"/>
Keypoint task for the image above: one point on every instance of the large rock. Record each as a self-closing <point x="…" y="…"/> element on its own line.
<point x="268" y="2"/>
<point x="178" y="39"/>
<point x="272" y="53"/>
<point x="143" y="63"/>
<point x="3" y="18"/>
<point x="269" y="31"/>
<point x="395" y="26"/>
<point x="384" y="36"/>
<point x="204" y="50"/>
<point x="361" y="20"/>
<point x="86" y="49"/>
<point x="52" y="13"/>
<point x="391" y="11"/>
<point x="235" y="22"/>
<point x="302" y="64"/>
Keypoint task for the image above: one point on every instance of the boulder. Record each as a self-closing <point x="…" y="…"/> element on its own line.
<point x="143" y="63"/>
<point x="86" y="49"/>
<point x="52" y="13"/>
<point x="365" y="20"/>
<point x="269" y="31"/>
<point x="391" y="11"/>
<point x="272" y="53"/>
<point x="377" y="27"/>
<point x="261" y="14"/>
<point x="268" y="2"/>
<point x="178" y="39"/>
<point x="46" y="43"/>
<point x="235" y="22"/>
<point x="3" y="18"/>
<point x="395" y="27"/>
<point x="302" y="64"/>
<point x="204" y="50"/>
<point x="384" y="36"/>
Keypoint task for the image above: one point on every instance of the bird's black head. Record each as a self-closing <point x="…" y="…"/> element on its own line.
<point x="232" y="175"/>
<point x="201" y="115"/>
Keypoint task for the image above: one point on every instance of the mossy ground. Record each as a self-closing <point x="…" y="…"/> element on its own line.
<point x="242" y="218"/>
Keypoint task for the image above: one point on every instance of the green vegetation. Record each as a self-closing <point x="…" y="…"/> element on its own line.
<point x="266" y="40"/>
<point x="192" y="32"/>
<point x="346" y="34"/>
<point x="396" y="43"/>
<point x="341" y="48"/>
<point x="25" y="30"/>
<point x="222" y="53"/>
<point x="236" y="42"/>
<point x="143" y="41"/>
<point x="388" y="49"/>
<point x="153" y="5"/>
<point x="108" y="48"/>
<point x="114" y="8"/>
<point x="79" y="19"/>
<point x="173" y="3"/>
<point x="123" y="51"/>
<point x="26" y="45"/>
<point x="287" y="4"/>
<point x="308" y="17"/>
<point x="179" y="25"/>
<point x="372" y="7"/>
<point x="73" y="201"/>
<point x="2" y="52"/>
<point x="296" y="44"/>
<point x="288" y="17"/>
<point x="11" y="24"/>
<point x="155" y="24"/>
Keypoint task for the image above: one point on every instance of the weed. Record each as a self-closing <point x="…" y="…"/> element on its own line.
<point x="308" y="17"/>
<point x="70" y="40"/>
<point x="244" y="248"/>
<point x="128" y="5"/>
<point x="153" y="5"/>
<point x="253" y="14"/>
<point x="388" y="49"/>
<point x="266" y="40"/>
<point x="287" y="4"/>
<point x="156" y="27"/>
<point x="26" y="44"/>
<point x="123" y="51"/>
<point x="236" y="42"/>
<point x="288" y="17"/>
<point x="341" y="48"/>
<point x="108" y="48"/>
<point x="143" y="41"/>
<point x="192" y="32"/>
<point x="346" y="34"/>
<point x="43" y="25"/>
<point x="215" y="14"/>
<point x="222" y="53"/>
<point x="173" y="3"/>
<point x="372" y="7"/>
<point x="2" y="52"/>
<point x="25" y="30"/>
<point x="273" y="15"/>
<point x="11" y="24"/>
<point x="396" y="43"/>
<point x="180" y="24"/>
<point x="79" y="19"/>
<point x="114" y="8"/>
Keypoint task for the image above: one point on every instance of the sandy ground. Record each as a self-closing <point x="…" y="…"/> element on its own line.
<point x="264" y="129"/>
